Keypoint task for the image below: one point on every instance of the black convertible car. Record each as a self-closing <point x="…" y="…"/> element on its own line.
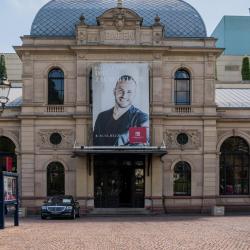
<point x="60" y="206"/>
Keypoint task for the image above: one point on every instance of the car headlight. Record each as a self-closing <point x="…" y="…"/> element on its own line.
<point x="44" y="207"/>
<point x="69" y="208"/>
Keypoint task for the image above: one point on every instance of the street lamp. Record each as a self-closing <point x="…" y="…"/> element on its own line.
<point x="4" y="92"/>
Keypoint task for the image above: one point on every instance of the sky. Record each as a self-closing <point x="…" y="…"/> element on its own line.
<point x="16" y="16"/>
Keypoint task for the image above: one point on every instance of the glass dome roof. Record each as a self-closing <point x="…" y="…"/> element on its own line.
<point x="58" y="17"/>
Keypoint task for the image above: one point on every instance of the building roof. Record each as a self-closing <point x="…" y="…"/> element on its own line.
<point x="15" y="103"/>
<point x="59" y="17"/>
<point x="233" y="98"/>
<point x="14" y="67"/>
<point x="15" y="97"/>
<point x="233" y="34"/>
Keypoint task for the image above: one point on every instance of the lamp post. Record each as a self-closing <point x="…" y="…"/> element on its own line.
<point x="4" y="92"/>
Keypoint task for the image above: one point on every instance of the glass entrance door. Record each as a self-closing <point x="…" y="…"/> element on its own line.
<point x="119" y="181"/>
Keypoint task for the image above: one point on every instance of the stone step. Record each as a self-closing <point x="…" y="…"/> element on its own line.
<point x="119" y="211"/>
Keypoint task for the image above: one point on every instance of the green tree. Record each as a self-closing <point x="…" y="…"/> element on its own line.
<point x="245" y="70"/>
<point x="3" y="72"/>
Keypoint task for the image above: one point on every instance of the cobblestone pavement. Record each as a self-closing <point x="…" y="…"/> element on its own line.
<point x="166" y="232"/>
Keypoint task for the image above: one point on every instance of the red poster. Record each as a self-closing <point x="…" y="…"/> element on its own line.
<point x="137" y="135"/>
<point x="9" y="164"/>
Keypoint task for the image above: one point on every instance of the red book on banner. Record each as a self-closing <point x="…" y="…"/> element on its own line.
<point x="137" y="135"/>
<point x="9" y="163"/>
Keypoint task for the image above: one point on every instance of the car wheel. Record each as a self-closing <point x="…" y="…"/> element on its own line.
<point x="73" y="214"/>
<point x="43" y="217"/>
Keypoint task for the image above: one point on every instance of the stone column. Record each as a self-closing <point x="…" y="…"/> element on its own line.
<point x="209" y="85"/>
<point x="90" y="177"/>
<point x="81" y="163"/>
<point x="157" y="182"/>
<point x="157" y="84"/>
<point x="28" y="86"/>
<point x="82" y="98"/>
<point x="27" y="159"/>
<point x="210" y="164"/>
<point x="210" y="135"/>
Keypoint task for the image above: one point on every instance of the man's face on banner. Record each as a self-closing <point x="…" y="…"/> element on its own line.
<point x="124" y="93"/>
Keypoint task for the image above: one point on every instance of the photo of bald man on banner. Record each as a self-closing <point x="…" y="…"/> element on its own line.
<point x="121" y="105"/>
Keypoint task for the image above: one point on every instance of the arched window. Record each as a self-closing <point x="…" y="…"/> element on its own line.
<point x="8" y="160"/>
<point x="182" y="88"/>
<point x="182" y="178"/>
<point x="55" y="179"/>
<point x="56" y="87"/>
<point x="234" y="166"/>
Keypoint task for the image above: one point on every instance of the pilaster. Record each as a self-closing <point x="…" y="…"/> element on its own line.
<point x="210" y="164"/>
<point x="27" y="157"/>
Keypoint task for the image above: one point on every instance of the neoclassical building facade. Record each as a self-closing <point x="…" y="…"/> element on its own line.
<point x="198" y="153"/>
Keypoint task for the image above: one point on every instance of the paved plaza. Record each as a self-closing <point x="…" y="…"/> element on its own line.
<point x="147" y="233"/>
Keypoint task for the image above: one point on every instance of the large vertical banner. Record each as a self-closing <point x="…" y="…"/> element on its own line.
<point x="120" y="104"/>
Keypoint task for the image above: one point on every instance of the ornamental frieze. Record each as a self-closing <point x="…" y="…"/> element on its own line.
<point x="193" y="139"/>
<point x="55" y="138"/>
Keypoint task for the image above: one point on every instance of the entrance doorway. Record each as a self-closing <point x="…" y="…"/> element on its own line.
<point x="8" y="159"/>
<point x="119" y="181"/>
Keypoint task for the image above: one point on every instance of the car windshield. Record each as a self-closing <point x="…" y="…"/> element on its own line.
<point x="59" y="200"/>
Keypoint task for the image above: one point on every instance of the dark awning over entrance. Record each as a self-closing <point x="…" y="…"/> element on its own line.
<point x="98" y="150"/>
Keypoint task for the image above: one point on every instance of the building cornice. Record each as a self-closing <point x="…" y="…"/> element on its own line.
<point x="115" y="48"/>
<point x="235" y="119"/>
